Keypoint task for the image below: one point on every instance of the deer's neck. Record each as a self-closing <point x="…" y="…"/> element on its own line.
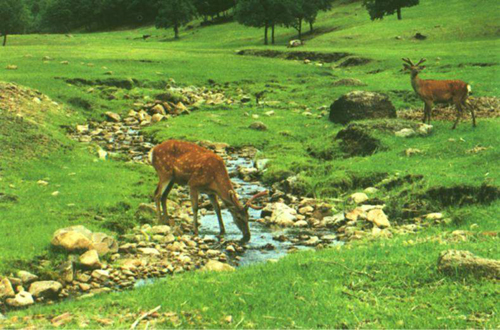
<point x="225" y="188"/>
<point x="415" y="82"/>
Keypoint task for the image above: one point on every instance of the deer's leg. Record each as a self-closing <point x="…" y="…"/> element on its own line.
<point x="164" y="196"/>
<point x="215" y="203"/>
<point x="425" y="113"/>
<point x="471" y="109"/>
<point x="193" y="193"/>
<point x="157" y="197"/>
<point x="428" y="111"/>
<point x="459" y="114"/>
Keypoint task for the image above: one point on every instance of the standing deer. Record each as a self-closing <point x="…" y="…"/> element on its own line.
<point x="439" y="91"/>
<point x="203" y="171"/>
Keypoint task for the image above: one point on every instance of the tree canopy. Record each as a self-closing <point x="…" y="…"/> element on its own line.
<point x="174" y="14"/>
<point x="13" y="18"/>
<point x="380" y="8"/>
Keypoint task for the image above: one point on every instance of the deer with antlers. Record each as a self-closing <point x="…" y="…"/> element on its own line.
<point x="185" y="163"/>
<point x="439" y="91"/>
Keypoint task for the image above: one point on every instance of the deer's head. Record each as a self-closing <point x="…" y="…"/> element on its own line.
<point x="240" y="212"/>
<point x="413" y="68"/>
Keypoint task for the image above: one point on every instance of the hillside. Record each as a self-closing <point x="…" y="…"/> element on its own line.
<point x="53" y="173"/>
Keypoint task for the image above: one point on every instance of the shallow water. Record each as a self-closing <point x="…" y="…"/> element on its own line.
<point x="261" y="247"/>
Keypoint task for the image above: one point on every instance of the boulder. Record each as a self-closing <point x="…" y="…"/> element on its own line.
<point x="45" y="289"/>
<point x="359" y="105"/>
<point x="283" y="215"/>
<point x="454" y="262"/>
<point x="359" y="197"/>
<point x="158" y="109"/>
<point x="22" y="299"/>
<point x="73" y="238"/>
<point x="349" y="82"/>
<point x="100" y="275"/>
<point x="103" y="243"/>
<point x="258" y="126"/>
<point x="379" y="218"/>
<point x="111" y="116"/>
<point x="90" y="259"/>
<point x="217" y="266"/>
<point x="26" y="277"/>
<point x="6" y="289"/>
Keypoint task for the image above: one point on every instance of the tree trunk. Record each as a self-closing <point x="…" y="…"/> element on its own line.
<point x="311" y="26"/>
<point x="265" y="34"/>
<point x="176" y="31"/>
<point x="399" y="14"/>
<point x="272" y="34"/>
<point x="300" y="29"/>
<point x="4" y="39"/>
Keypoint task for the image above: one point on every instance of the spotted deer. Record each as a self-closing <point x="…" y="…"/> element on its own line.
<point x="439" y="91"/>
<point x="185" y="163"/>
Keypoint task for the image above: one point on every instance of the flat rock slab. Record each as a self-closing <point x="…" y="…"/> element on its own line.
<point x="453" y="262"/>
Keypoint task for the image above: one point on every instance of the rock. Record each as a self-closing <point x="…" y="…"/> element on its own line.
<point x="22" y="299"/>
<point x="26" y="277"/>
<point x="46" y="58"/>
<point x="102" y="154"/>
<point x="359" y="105"/>
<point x="217" y="266"/>
<point x="158" y="109"/>
<point x="90" y="259"/>
<point x="73" y="238"/>
<point x="100" y="275"/>
<point x="258" y="125"/>
<point x="300" y="224"/>
<point x="157" y="118"/>
<point x="6" y="289"/>
<point x="64" y="62"/>
<point x="160" y="230"/>
<point x="379" y="218"/>
<point x="420" y="36"/>
<point x="108" y="73"/>
<point x="114" y="117"/>
<point x="434" y="216"/>
<point x="67" y="272"/>
<point x="405" y="133"/>
<point x="349" y="82"/>
<point x="314" y="240"/>
<point x="261" y="164"/>
<point x="269" y="113"/>
<point x="306" y="209"/>
<point x="454" y="262"/>
<point x="371" y="190"/>
<point x="149" y="251"/>
<point x="424" y="129"/>
<point x="42" y="183"/>
<point x="11" y="67"/>
<point x="47" y="289"/>
<point x="61" y="320"/>
<point x="82" y="128"/>
<point x="295" y="43"/>
<point x="283" y="215"/>
<point x="412" y="151"/>
<point x="103" y="243"/>
<point x="359" y="197"/>
<point x="245" y="99"/>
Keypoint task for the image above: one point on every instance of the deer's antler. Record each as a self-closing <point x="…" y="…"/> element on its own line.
<point x="421" y="61"/>
<point x="250" y="201"/>
<point x="407" y="60"/>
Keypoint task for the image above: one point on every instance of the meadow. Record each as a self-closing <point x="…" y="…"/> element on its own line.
<point x="327" y="288"/>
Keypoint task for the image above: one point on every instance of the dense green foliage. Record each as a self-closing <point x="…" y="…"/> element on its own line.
<point x="174" y="14"/>
<point x="380" y="8"/>
<point x="13" y="18"/>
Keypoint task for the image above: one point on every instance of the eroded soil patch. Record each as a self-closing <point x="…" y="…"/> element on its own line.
<point x="296" y="55"/>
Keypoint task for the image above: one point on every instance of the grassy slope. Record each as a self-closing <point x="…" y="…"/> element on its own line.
<point x="467" y="34"/>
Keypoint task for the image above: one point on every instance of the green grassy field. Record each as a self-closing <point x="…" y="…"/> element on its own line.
<point x="311" y="289"/>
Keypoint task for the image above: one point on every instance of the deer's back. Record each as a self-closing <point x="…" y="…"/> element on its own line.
<point x="184" y="162"/>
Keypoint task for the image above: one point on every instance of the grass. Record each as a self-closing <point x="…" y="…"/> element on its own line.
<point x="304" y="289"/>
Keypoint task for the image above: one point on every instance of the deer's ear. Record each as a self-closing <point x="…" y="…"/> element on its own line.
<point x="233" y="196"/>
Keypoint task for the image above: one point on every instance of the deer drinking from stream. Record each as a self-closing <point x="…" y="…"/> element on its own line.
<point x="439" y="91"/>
<point x="185" y="163"/>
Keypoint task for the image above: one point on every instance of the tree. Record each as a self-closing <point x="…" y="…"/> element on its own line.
<point x="263" y="14"/>
<point x="380" y="8"/>
<point x="174" y="14"/>
<point x="13" y="18"/>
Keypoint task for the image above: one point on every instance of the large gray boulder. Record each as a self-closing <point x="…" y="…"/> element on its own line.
<point x="358" y="105"/>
